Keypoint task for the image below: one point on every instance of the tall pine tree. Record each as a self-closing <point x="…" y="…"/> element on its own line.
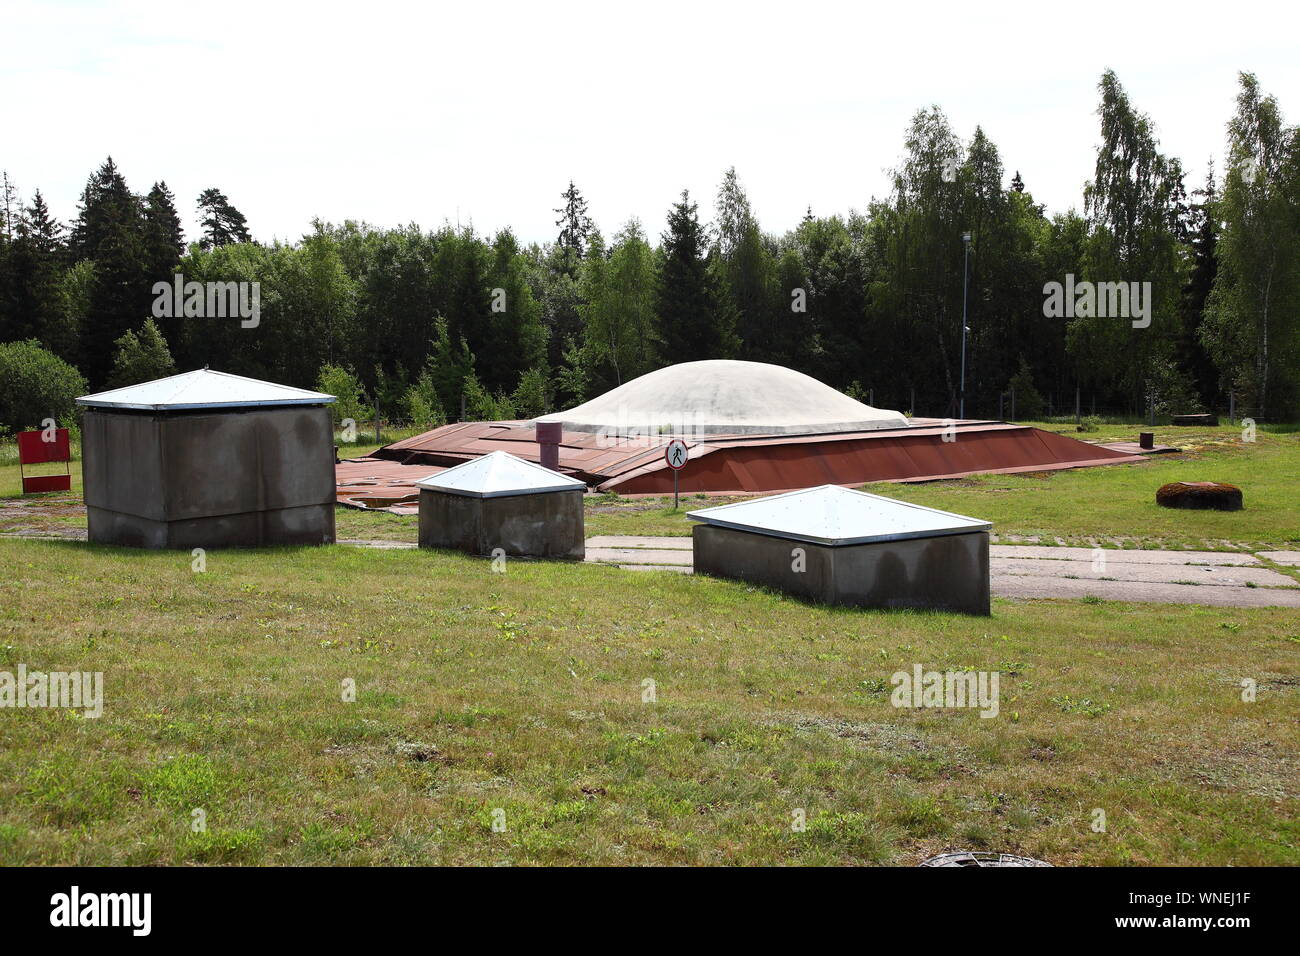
<point x="575" y="225"/>
<point x="690" y="327"/>
<point x="222" y="223"/>
<point x="36" y="259"/>
<point x="110" y="232"/>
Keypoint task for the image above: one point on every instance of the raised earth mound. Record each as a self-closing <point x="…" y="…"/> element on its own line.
<point x="1213" y="495"/>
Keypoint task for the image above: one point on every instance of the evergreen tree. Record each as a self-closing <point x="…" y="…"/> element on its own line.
<point x="110" y="232"/>
<point x="575" y="225"/>
<point x="573" y="378"/>
<point x="141" y="358"/>
<point x="745" y="274"/>
<point x="222" y="223"/>
<point x="450" y="364"/>
<point x="34" y="265"/>
<point x="163" y="236"/>
<point x="1191" y="353"/>
<point x="556" y="287"/>
<point x="396" y="298"/>
<point x="1029" y="401"/>
<point x="10" y="206"/>
<point x="464" y="265"/>
<point x="689" y="327"/>
<point x="108" y="213"/>
<point x="514" y="340"/>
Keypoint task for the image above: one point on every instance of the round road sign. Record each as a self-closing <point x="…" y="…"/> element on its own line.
<point x="676" y="454"/>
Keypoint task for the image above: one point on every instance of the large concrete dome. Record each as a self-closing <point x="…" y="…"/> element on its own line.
<point x="722" y="397"/>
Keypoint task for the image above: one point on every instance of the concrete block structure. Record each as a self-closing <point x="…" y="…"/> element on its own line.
<point x="837" y="546"/>
<point x="208" y="460"/>
<point x="500" y="501"/>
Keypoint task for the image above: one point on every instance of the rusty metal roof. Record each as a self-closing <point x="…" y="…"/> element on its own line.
<point x="927" y="450"/>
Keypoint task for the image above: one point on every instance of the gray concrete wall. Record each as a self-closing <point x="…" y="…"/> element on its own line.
<point x="307" y="525"/>
<point x="121" y="467"/>
<point x="949" y="572"/>
<point x="223" y="478"/>
<point x="547" y="525"/>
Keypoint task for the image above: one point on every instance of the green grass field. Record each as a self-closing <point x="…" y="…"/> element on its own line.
<point x="522" y="692"/>
<point x="517" y="698"/>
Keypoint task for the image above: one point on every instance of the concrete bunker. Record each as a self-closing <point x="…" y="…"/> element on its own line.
<point x="208" y="460"/>
<point x="502" y="502"/>
<point x="838" y="546"/>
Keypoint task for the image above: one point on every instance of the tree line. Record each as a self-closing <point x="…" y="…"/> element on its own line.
<point x="437" y="325"/>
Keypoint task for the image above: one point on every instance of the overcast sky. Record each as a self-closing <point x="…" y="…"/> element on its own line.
<point x="480" y="112"/>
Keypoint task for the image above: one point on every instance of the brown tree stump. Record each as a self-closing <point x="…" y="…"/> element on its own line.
<point x="1200" y="494"/>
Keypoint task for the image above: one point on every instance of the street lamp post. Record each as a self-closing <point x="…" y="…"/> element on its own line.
<point x="965" y="278"/>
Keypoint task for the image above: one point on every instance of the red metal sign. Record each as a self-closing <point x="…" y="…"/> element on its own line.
<point x="44" y="447"/>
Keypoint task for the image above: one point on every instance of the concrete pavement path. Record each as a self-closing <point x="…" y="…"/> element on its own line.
<point x="1215" y="578"/>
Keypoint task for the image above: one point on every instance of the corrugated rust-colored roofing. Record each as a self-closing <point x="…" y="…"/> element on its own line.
<point x="927" y="450"/>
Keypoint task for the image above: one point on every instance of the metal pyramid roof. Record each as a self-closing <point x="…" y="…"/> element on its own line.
<point x="498" y="475"/>
<point x="203" y="388"/>
<point x="833" y="515"/>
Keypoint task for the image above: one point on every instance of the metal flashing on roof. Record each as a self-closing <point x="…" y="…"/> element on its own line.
<point x="836" y="516"/>
<point x="203" y="388"/>
<point x="499" y="475"/>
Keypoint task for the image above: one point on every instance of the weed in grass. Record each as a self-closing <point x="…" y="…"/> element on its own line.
<point x="1085" y="706"/>
<point x="222" y="846"/>
<point x="186" y="781"/>
<point x="66" y="791"/>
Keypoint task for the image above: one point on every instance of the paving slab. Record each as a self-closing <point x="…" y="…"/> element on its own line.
<point x="638" y="556"/>
<point x="1291" y="558"/>
<point x="1201" y="574"/>
<point x="660" y="543"/>
<point x="1123" y="556"/>
<point x="381" y="545"/>
<point x="657" y="567"/>
<point x="1036" y="586"/>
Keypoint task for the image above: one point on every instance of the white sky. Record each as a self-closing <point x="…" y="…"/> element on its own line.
<point x="393" y="112"/>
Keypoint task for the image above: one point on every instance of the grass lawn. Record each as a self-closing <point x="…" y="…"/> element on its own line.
<point x="522" y="692"/>
<point x="518" y="697"/>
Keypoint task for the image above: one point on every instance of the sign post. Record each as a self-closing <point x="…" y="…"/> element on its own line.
<point x="676" y="455"/>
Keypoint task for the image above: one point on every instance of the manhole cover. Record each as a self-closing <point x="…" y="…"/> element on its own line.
<point x="974" y="858"/>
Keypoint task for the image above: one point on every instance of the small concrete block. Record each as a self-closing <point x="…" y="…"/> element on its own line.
<point x="943" y="572"/>
<point x="545" y="525"/>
